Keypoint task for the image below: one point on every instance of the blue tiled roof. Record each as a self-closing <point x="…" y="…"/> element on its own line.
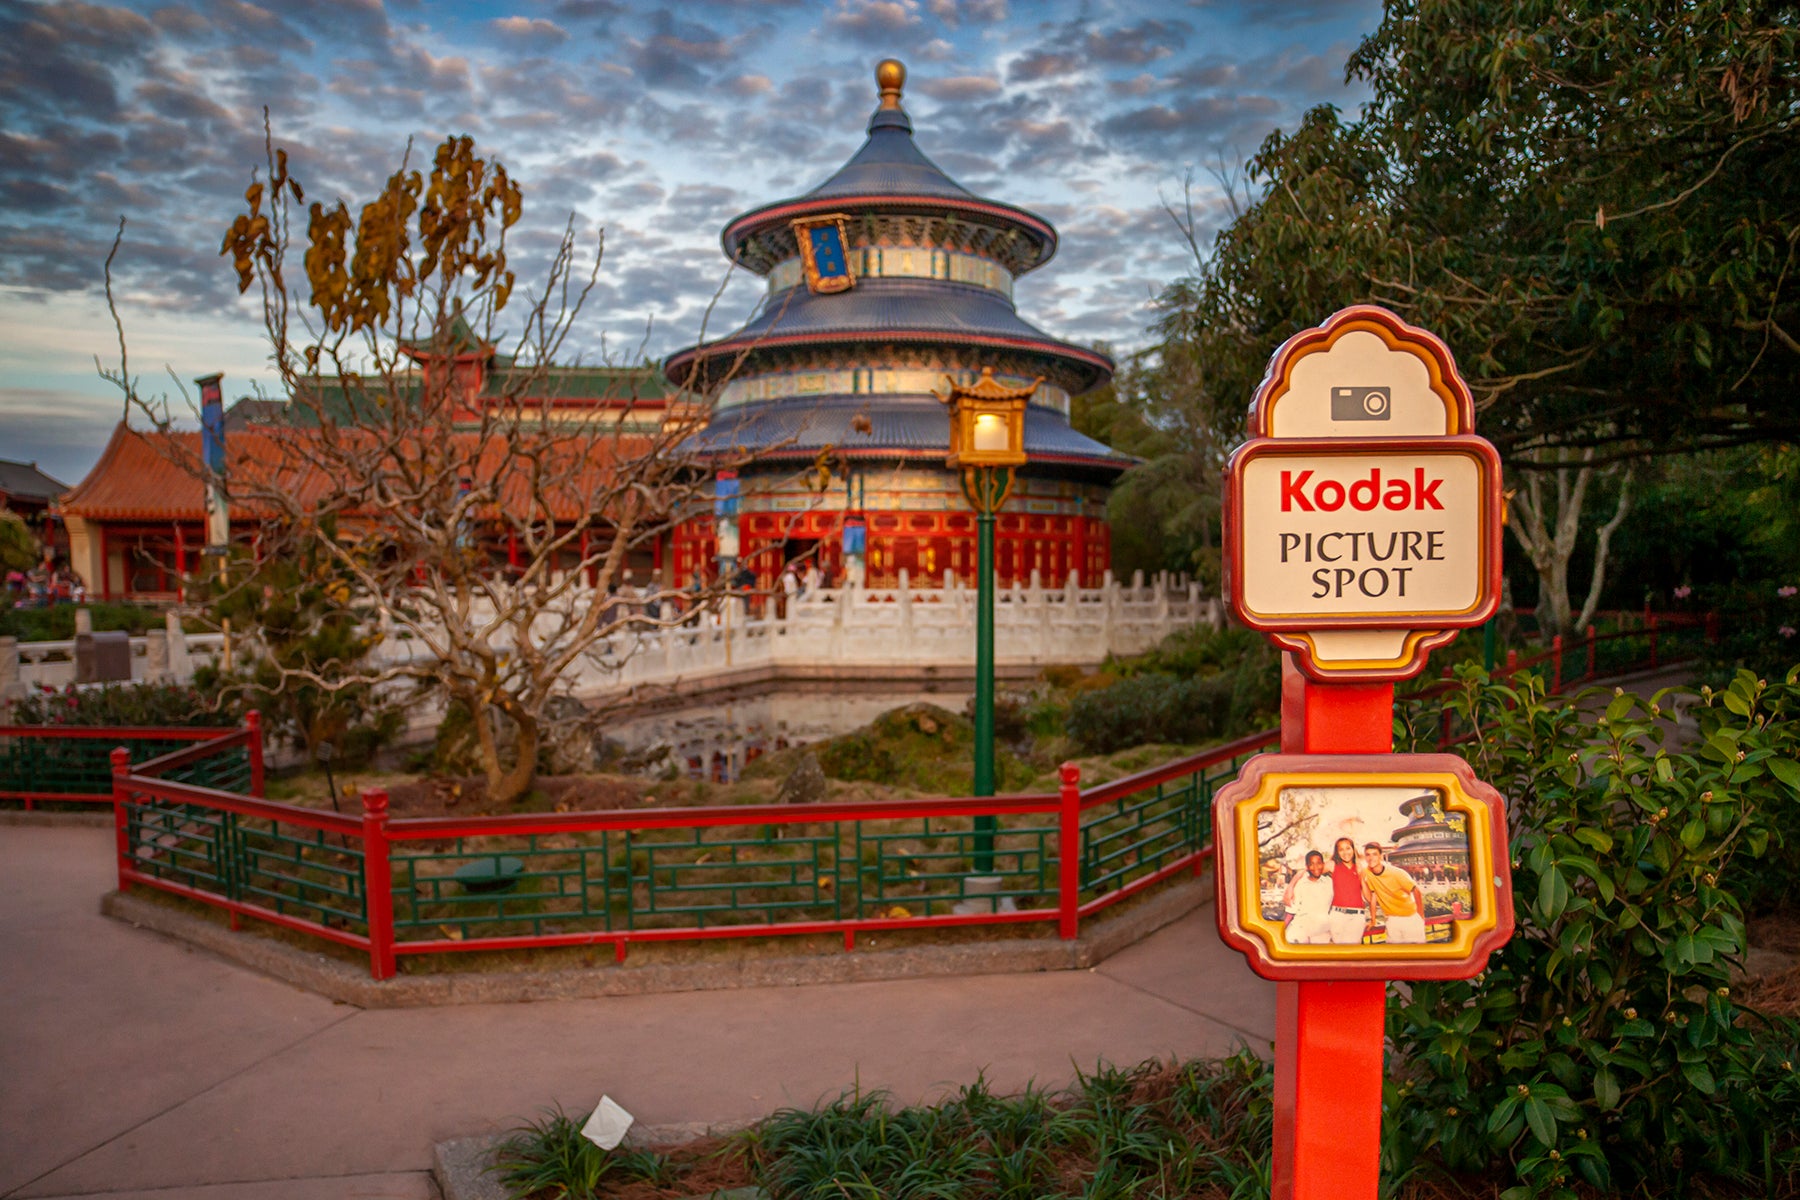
<point x="889" y="163"/>
<point x="907" y="310"/>
<point x="899" y="425"/>
<point x="890" y="173"/>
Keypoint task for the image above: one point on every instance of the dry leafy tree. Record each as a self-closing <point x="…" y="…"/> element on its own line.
<point x="454" y="504"/>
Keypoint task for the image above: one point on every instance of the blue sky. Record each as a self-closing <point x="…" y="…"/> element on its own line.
<point x="657" y="124"/>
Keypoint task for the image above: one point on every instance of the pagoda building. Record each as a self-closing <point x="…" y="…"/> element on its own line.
<point x="1429" y="845"/>
<point x="887" y="283"/>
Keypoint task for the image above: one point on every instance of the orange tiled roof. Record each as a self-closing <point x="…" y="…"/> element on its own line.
<point x="152" y="476"/>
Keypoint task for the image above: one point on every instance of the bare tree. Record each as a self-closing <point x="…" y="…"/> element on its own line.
<point x="1545" y="517"/>
<point x="470" y="515"/>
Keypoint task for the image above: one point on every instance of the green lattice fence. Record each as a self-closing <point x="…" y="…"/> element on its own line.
<point x="40" y="763"/>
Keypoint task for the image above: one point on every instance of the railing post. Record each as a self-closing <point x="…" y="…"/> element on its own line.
<point x="1556" y="663"/>
<point x="1650" y="620"/>
<point x="1512" y="661"/>
<point x="1068" y="866"/>
<point x="1591" y="644"/>
<point x="378" y="886"/>
<point x="121" y="766"/>
<point x="253" y="722"/>
<point x="1712" y="628"/>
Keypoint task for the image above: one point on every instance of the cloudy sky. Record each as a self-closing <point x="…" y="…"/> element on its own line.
<point x="657" y="124"/>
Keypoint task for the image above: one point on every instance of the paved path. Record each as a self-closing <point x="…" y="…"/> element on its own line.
<point x="134" y="1068"/>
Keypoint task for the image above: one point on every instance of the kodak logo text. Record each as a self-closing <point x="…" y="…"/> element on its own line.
<point x="1301" y="493"/>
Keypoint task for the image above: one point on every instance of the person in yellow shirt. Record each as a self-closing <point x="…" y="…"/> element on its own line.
<point x="1398" y="896"/>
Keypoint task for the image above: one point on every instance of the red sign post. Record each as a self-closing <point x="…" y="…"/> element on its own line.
<point x="1362" y="529"/>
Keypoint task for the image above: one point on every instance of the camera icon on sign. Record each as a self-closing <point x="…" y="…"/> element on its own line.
<point x="1361" y="403"/>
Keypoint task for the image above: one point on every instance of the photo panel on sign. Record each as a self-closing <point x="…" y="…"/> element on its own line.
<point x="1361" y="867"/>
<point x="1396" y="854"/>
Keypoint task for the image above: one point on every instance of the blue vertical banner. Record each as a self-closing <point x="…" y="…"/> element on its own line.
<point x="725" y="508"/>
<point x="212" y="423"/>
<point x="212" y="453"/>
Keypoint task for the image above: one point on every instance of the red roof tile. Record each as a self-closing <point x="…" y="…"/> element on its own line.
<point x="155" y="476"/>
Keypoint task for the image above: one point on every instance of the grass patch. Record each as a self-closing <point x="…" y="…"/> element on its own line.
<point x="1201" y="1130"/>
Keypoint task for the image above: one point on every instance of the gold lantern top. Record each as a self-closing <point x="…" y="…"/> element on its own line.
<point x="987" y="421"/>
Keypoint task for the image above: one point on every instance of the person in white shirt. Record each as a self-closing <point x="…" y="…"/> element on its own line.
<point x="1308" y="903"/>
<point x="790" y="588"/>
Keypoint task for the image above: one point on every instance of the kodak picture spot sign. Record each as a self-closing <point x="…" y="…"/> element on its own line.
<point x="1362" y="517"/>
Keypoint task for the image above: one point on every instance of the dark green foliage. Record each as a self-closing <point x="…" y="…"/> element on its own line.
<point x="19" y="549"/>
<point x="1602" y="1044"/>
<point x="920" y="746"/>
<point x="550" y="1157"/>
<point x="57" y="622"/>
<point x="1150" y="708"/>
<point x="314" y="640"/>
<point x="1200" y="684"/>
<point x="1156" y="1129"/>
<point x="147" y="704"/>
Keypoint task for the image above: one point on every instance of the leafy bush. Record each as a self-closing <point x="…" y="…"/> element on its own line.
<point x="1200" y="683"/>
<point x="920" y="746"/>
<point x="1759" y="629"/>
<point x="1151" y="708"/>
<point x="1204" y="650"/>
<point x="1602" y="1044"/>
<point x="309" y="643"/>
<point x="57" y="622"/>
<point x="158" y="704"/>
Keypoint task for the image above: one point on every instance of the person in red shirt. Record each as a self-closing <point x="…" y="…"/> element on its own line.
<point x="1349" y="911"/>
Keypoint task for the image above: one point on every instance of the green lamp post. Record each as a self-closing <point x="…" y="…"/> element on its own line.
<point x="987" y="442"/>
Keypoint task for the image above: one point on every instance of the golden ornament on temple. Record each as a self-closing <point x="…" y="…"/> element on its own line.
<point x="890" y="77"/>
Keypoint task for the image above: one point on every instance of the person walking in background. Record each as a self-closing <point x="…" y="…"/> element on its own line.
<point x="1349" y="909"/>
<point x="1398" y="895"/>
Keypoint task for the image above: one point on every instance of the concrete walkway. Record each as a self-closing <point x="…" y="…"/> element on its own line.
<point x="135" y="1068"/>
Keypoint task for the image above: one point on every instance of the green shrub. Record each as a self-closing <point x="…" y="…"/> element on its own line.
<point x="159" y="704"/>
<point x="1198" y="684"/>
<point x="1151" y="708"/>
<point x="57" y="622"/>
<point x="1202" y="650"/>
<point x="310" y="645"/>
<point x="1602" y="1044"/>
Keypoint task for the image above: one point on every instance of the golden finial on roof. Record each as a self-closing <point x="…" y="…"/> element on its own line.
<point x="890" y="77"/>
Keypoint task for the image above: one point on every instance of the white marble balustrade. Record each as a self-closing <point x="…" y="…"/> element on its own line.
<point x="841" y="629"/>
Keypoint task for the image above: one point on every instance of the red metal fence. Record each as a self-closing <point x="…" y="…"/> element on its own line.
<point x="410" y="886"/>
<point x="402" y="886"/>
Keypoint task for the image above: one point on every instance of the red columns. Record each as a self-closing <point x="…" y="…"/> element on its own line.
<point x="1068" y="846"/>
<point x="1328" y="1044"/>
<point x="253" y="723"/>
<point x="378" y="884"/>
<point x="121" y="766"/>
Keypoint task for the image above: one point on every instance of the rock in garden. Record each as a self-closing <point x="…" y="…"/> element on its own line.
<point x="805" y="784"/>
